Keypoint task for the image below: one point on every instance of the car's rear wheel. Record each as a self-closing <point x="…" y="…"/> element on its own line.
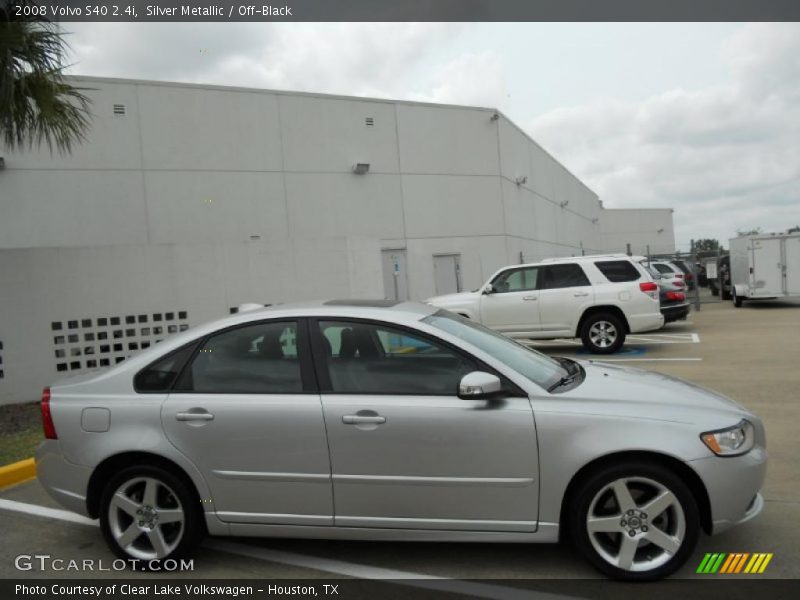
<point x="603" y="333"/>
<point x="635" y="522"/>
<point x="149" y="514"/>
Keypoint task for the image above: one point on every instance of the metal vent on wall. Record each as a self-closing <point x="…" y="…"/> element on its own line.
<point x="370" y="121"/>
<point x="103" y="341"/>
<point x="119" y="109"/>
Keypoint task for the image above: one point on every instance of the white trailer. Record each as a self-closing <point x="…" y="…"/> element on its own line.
<point x="765" y="266"/>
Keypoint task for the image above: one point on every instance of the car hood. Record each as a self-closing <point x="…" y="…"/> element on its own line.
<point x="615" y="390"/>
<point x="458" y="299"/>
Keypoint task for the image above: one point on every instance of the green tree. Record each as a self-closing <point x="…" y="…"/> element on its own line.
<point x="37" y="105"/>
<point x="707" y="246"/>
<point x="794" y="229"/>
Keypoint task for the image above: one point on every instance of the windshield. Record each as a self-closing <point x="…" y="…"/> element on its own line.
<point x="540" y="369"/>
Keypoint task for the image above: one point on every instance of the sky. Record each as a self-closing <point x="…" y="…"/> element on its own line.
<point x="702" y="118"/>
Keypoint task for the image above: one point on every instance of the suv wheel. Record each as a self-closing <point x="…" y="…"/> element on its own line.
<point x="603" y="333"/>
<point x="635" y="522"/>
<point x="147" y="513"/>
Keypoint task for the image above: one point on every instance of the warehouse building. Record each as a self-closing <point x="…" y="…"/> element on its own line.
<point x="187" y="200"/>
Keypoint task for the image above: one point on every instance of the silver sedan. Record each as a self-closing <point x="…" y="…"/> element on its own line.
<point x="421" y="424"/>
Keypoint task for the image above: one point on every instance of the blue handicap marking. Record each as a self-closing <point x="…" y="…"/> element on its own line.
<point x="625" y="351"/>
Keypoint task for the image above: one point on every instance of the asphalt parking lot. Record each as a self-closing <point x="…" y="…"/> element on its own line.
<point x="750" y="354"/>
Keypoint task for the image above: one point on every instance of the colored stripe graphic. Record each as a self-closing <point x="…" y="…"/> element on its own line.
<point x="734" y="562"/>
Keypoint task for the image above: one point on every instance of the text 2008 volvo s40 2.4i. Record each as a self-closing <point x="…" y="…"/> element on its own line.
<point x="421" y="425"/>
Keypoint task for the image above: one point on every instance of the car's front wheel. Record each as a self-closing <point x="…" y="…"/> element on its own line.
<point x="149" y="514"/>
<point x="603" y="333"/>
<point x="635" y="522"/>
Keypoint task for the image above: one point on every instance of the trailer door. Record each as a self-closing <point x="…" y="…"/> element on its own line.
<point x="767" y="274"/>
<point x="791" y="265"/>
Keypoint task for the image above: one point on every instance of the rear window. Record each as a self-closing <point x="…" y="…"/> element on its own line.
<point x="618" y="270"/>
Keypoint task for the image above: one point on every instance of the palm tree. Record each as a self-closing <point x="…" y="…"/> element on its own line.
<point x="37" y="105"/>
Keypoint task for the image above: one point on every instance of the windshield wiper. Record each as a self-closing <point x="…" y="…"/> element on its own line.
<point x="563" y="381"/>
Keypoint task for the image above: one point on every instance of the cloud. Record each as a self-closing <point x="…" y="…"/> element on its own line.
<point x="726" y="157"/>
<point x="366" y="59"/>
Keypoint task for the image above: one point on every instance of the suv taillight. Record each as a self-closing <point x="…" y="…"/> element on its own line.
<point x="47" y="418"/>
<point x="675" y="296"/>
<point x="679" y="275"/>
<point x="650" y="288"/>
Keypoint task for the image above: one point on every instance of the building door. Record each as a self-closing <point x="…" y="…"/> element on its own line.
<point x="447" y="273"/>
<point x="395" y="277"/>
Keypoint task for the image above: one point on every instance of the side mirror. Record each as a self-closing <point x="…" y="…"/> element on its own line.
<point x="479" y="385"/>
<point x="489" y="289"/>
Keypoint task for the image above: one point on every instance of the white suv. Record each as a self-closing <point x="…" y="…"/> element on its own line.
<point x="598" y="298"/>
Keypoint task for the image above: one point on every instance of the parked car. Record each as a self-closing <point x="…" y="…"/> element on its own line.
<point x="688" y="273"/>
<point x="723" y="272"/>
<point x="674" y="305"/>
<point x="671" y="277"/>
<point x="598" y="298"/>
<point x="423" y="426"/>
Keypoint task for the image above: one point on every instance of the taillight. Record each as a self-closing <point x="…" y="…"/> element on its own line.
<point x="650" y="288"/>
<point x="675" y="296"/>
<point x="47" y="418"/>
<point x="679" y="275"/>
<point x="678" y="284"/>
<point x="689" y="276"/>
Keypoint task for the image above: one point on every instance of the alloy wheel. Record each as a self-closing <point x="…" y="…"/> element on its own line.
<point x="146" y="518"/>
<point x="603" y="334"/>
<point x="636" y="524"/>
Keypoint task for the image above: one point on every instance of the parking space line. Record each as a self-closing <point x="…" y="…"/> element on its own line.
<point x="653" y="338"/>
<point x="650" y="359"/>
<point x="338" y="567"/>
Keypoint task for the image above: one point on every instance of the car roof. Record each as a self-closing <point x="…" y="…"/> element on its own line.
<point x="581" y="259"/>
<point x="365" y="308"/>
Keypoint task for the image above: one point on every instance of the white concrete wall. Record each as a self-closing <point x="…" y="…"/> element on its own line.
<point x="638" y="227"/>
<point x="46" y="285"/>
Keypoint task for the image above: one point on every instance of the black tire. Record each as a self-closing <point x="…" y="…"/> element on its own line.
<point x="173" y="493"/>
<point x="726" y="295"/>
<point x="587" y="333"/>
<point x="582" y="502"/>
<point x="737" y="300"/>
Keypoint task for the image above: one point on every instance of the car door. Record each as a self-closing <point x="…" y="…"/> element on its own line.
<point x="247" y="414"/>
<point x="406" y="452"/>
<point x="564" y="293"/>
<point x="512" y="306"/>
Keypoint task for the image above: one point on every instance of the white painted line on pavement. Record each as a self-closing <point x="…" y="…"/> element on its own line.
<point x="338" y="567"/>
<point x="44" y="511"/>
<point x="648" y="359"/>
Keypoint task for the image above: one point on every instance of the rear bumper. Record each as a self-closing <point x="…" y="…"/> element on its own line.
<point x="675" y="312"/>
<point x="733" y="486"/>
<point x="65" y="482"/>
<point x="646" y="322"/>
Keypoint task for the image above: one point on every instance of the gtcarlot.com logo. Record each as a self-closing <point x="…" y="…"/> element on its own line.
<point x="735" y="563"/>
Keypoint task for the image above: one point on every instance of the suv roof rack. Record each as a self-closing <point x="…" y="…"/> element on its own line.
<point x="592" y="257"/>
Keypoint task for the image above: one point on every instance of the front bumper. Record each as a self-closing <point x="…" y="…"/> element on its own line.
<point x="67" y="483"/>
<point x="733" y="485"/>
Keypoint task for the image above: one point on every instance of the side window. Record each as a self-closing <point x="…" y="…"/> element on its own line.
<point x="255" y="359"/>
<point x="516" y="280"/>
<point x="381" y="360"/>
<point x="564" y="276"/>
<point x="159" y="376"/>
<point x="617" y="271"/>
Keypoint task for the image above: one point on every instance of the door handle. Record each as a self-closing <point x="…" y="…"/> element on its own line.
<point x="194" y="416"/>
<point x="362" y="420"/>
<point x="529" y="298"/>
<point x="580" y="294"/>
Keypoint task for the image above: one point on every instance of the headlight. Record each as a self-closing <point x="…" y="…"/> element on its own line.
<point x="732" y="441"/>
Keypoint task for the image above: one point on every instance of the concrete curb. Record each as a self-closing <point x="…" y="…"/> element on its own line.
<point x="17" y="472"/>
